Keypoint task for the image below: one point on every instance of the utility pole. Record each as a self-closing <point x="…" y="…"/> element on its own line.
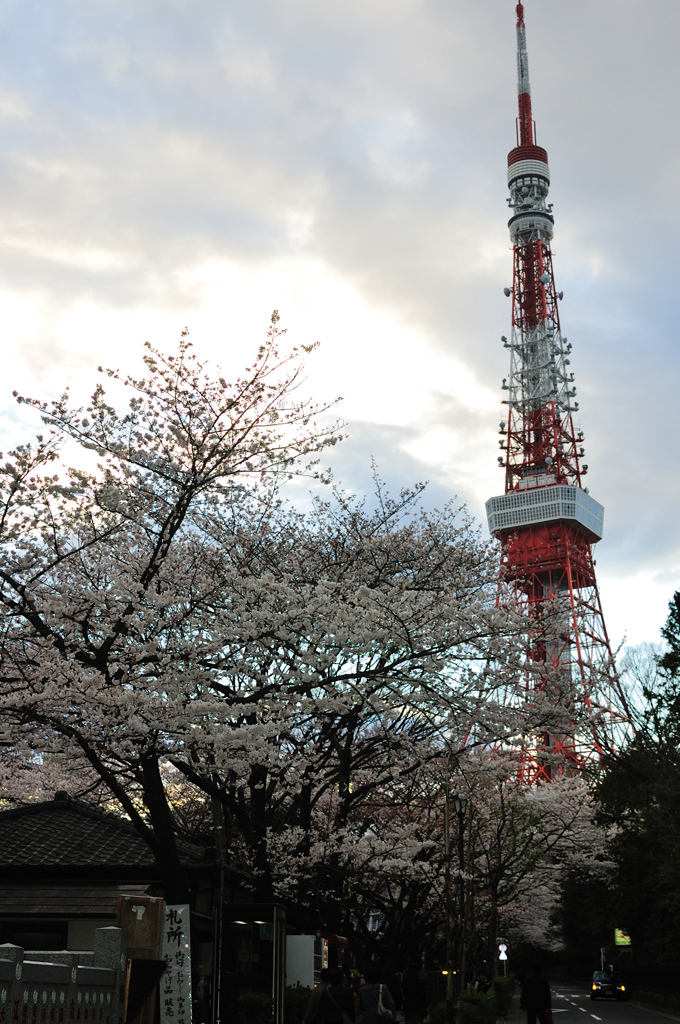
<point x="460" y="805"/>
<point x="449" y="905"/>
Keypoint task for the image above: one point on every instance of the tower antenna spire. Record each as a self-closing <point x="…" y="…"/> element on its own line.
<point x="547" y="521"/>
<point x="525" y="122"/>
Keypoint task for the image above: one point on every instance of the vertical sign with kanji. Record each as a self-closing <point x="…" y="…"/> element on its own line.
<point x="176" y="951"/>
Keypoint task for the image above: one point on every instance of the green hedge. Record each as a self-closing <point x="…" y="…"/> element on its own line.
<point x="297" y="1001"/>
<point x="478" y="1008"/>
<point x="438" y="1014"/>
<point x="256" y="1007"/>
<point x="503" y="989"/>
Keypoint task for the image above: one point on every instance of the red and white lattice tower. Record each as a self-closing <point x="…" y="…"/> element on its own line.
<point x="547" y="521"/>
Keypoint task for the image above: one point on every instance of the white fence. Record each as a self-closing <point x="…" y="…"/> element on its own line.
<point x="46" y="987"/>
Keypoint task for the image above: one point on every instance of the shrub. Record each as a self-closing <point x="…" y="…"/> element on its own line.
<point x="297" y="1001"/>
<point x="478" y="1008"/>
<point x="254" y="1007"/>
<point x="438" y="1014"/>
<point x="503" y="989"/>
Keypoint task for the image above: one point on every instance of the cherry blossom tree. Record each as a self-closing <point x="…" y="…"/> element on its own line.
<point x="29" y="773"/>
<point x="179" y="637"/>
<point x="108" y="640"/>
<point x="370" y="642"/>
<point x="524" y="842"/>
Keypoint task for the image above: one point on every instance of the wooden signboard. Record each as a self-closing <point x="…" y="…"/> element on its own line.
<point x="142" y="917"/>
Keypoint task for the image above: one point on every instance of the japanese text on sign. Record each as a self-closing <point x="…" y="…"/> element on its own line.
<point x="176" y="951"/>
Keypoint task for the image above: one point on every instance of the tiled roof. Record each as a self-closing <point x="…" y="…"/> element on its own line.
<point x="68" y="834"/>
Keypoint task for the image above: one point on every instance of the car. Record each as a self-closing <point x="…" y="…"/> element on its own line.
<point x="607" y="985"/>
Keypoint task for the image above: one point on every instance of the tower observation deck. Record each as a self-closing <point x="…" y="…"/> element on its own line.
<point x="546" y="520"/>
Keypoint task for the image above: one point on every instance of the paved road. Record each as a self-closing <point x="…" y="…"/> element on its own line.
<point x="571" y="1006"/>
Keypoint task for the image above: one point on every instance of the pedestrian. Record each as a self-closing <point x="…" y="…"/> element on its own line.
<point x="415" y="995"/>
<point x="536" y="999"/>
<point x="336" y="1005"/>
<point x="397" y="992"/>
<point x="312" y="1014"/>
<point x="373" y="993"/>
<point x="481" y="982"/>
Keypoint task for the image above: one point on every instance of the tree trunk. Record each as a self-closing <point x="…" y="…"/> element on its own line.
<point x="257" y="784"/>
<point x="493" y="937"/>
<point x="172" y="871"/>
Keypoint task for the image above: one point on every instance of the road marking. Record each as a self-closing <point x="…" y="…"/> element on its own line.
<point x="582" y="1009"/>
<point x="595" y="1017"/>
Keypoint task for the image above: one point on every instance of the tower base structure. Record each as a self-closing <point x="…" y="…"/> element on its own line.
<point x="572" y="693"/>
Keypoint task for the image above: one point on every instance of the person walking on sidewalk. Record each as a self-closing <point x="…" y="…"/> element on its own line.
<point x="312" y="1014"/>
<point x="536" y="998"/>
<point x="336" y="1005"/>
<point x="371" y="994"/>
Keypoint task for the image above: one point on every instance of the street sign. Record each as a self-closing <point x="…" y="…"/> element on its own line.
<point x="622" y="938"/>
<point x="175" y="1007"/>
<point x="503" y="956"/>
<point x="503" y="948"/>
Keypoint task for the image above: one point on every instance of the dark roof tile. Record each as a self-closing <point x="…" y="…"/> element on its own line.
<point x="67" y="833"/>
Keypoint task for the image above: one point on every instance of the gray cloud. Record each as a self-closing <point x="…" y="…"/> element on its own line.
<point x="141" y="139"/>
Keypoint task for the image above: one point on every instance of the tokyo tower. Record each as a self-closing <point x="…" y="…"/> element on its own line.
<point x="546" y="521"/>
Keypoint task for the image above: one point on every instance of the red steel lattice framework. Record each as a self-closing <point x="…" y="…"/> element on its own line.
<point x="546" y="520"/>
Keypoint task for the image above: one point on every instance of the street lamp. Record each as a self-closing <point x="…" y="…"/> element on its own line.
<point x="460" y="804"/>
<point x="459" y="807"/>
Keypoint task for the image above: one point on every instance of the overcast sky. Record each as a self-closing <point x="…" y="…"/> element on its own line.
<point x="201" y="162"/>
